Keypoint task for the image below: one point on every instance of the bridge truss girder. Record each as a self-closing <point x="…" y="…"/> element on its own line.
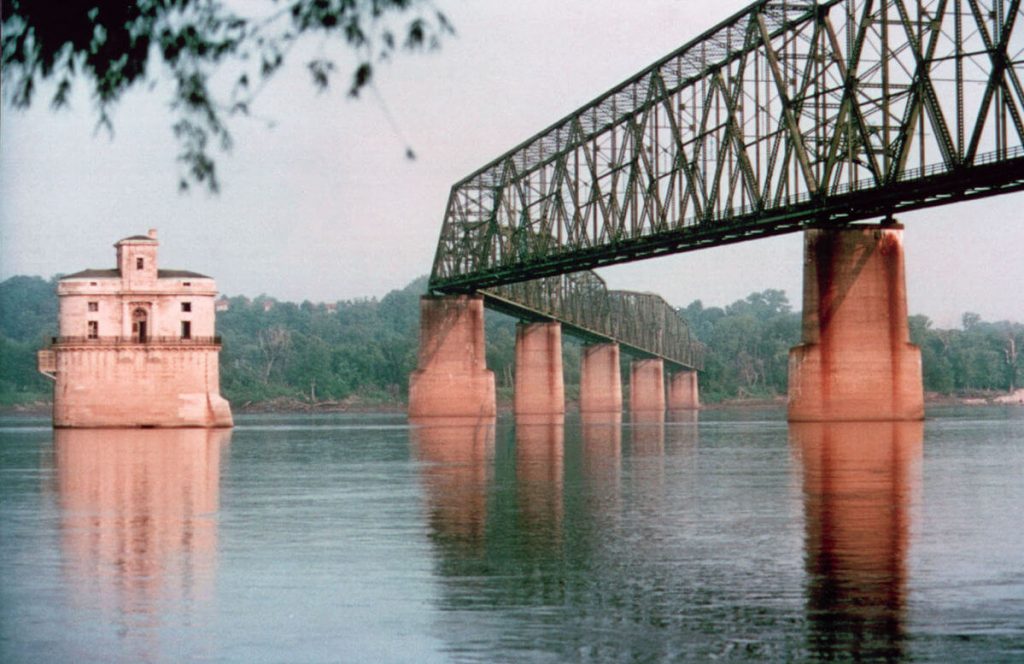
<point x="643" y="324"/>
<point x="785" y="116"/>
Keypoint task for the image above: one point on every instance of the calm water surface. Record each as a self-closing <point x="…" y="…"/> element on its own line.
<point x="365" y="539"/>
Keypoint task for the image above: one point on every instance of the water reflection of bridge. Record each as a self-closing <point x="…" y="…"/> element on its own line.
<point x="601" y="527"/>
<point x="784" y="117"/>
<point x="860" y="480"/>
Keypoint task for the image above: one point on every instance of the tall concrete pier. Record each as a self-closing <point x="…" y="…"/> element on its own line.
<point x="539" y="386"/>
<point x="452" y="379"/>
<point x="600" y="379"/>
<point x="647" y="386"/>
<point x="855" y="361"/>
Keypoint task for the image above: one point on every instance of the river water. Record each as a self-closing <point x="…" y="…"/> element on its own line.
<point x="363" y="539"/>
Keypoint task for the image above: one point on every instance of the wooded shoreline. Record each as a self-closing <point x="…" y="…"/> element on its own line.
<point x="356" y="355"/>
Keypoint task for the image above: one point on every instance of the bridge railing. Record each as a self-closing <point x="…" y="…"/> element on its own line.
<point x="133" y="341"/>
<point x="643" y="323"/>
<point x="786" y="115"/>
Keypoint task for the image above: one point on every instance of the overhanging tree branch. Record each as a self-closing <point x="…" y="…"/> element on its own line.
<point x="114" y="46"/>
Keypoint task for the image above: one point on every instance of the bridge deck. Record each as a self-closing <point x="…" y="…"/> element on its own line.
<point x="643" y="324"/>
<point x="788" y="115"/>
<point x="497" y="302"/>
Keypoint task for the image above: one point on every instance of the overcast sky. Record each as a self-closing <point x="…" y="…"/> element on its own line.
<point x="323" y="205"/>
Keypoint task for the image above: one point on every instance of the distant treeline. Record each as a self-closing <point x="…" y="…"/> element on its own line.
<point x="748" y="349"/>
<point x="365" y="349"/>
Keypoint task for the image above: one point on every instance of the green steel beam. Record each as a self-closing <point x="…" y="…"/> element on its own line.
<point x="643" y="324"/>
<point x="788" y="115"/>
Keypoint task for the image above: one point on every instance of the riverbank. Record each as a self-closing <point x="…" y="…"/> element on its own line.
<point x="355" y="404"/>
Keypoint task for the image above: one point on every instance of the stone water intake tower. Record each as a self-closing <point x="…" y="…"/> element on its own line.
<point x="136" y="346"/>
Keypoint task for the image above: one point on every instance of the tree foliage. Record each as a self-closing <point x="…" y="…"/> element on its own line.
<point x="28" y="309"/>
<point x="316" y="352"/>
<point x="747" y="343"/>
<point x="113" y="46"/>
<point x="980" y="357"/>
<point x="28" y="318"/>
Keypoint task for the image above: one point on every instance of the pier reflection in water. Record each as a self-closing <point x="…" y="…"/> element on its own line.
<point x="598" y="458"/>
<point x="359" y="538"/>
<point x="138" y="524"/>
<point x="554" y="528"/>
<point x="859" y="482"/>
<point x="647" y="434"/>
<point x="589" y="524"/>
<point x="540" y="477"/>
<point x="456" y="466"/>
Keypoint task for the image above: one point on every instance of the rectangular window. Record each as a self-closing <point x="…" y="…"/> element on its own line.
<point x="94" y="329"/>
<point x="94" y="306"/>
<point x="186" y="306"/>
<point x="186" y="329"/>
<point x="139" y="262"/>
<point x="186" y="283"/>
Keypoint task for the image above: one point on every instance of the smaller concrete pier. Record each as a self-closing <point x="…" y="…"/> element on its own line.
<point x="600" y="379"/>
<point x="539" y="386"/>
<point x="452" y="379"/>
<point x="682" y="391"/>
<point x="647" y="386"/>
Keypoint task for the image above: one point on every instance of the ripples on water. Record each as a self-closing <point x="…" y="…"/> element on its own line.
<point x="364" y="539"/>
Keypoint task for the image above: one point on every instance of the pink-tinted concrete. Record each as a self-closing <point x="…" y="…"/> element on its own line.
<point x="856" y="361"/>
<point x="647" y="386"/>
<point x="452" y="379"/>
<point x="136" y="346"/>
<point x="539" y="388"/>
<point x="140" y="385"/>
<point x="600" y="380"/>
<point x="682" y="391"/>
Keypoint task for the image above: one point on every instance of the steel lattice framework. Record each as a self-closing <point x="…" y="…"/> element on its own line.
<point x="643" y="324"/>
<point x="786" y="115"/>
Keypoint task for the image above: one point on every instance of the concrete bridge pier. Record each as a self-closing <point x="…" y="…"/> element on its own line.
<point x="647" y="386"/>
<point x="682" y="391"/>
<point x="855" y="361"/>
<point x="452" y="379"/>
<point x="600" y="379"/>
<point x="539" y="386"/>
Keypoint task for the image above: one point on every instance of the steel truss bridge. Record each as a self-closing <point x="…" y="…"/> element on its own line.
<point x="643" y="324"/>
<point x="785" y="116"/>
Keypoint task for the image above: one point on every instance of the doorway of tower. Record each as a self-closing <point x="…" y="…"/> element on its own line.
<point x="140" y="318"/>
